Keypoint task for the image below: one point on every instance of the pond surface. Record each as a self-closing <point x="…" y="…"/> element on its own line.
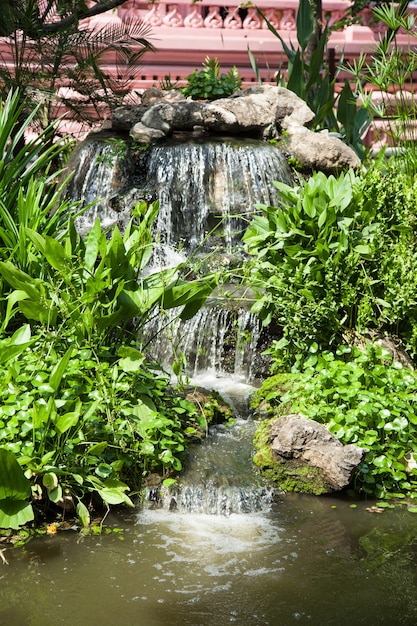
<point x="304" y="562"/>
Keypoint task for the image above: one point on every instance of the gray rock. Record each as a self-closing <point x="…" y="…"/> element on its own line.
<point x="262" y="111"/>
<point x="320" y="151"/>
<point x="124" y="117"/>
<point x="304" y="442"/>
<point x="145" y="134"/>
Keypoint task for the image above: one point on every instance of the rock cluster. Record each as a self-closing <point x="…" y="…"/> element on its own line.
<point x="263" y="111"/>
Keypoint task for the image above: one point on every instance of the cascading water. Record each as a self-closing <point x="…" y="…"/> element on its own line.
<point x="207" y="191"/>
<point x="219" y="478"/>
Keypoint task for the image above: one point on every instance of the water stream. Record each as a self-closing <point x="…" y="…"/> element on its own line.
<point x="221" y="546"/>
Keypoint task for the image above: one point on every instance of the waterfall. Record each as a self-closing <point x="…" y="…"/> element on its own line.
<point x="219" y="478"/>
<point x="217" y="340"/>
<point x="208" y="191"/>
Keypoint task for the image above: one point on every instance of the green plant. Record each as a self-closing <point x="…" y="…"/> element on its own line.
<point x="30" y="193"/>
<point x="15" y="508"/>
<point x="337" y="255"/>
<point x="310" y="75"/>
<point x="82" y="408"/>
<point x="367" y="399"/>
<point x="389" y="72"/>
<point x="81" y="423"/>
<point x="93" y="287"/>
<point x="209" y="84"/>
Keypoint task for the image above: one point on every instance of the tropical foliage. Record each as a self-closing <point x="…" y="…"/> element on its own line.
<point x="63" y="61"/>
<point x="83" y="412"/>
<point x="338" y="256"/>
<point x="209" y="83"/>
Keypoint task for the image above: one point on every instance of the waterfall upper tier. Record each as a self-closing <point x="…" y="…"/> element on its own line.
<point x="207" y="189"/>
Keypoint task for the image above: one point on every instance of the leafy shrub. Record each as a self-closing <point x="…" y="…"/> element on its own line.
<point x="81" y="382"/>
<point x="209" y="84"/>
<point x="80" y="423"/>
<point x="338" y="255"/>
<point x="366" y="399"/>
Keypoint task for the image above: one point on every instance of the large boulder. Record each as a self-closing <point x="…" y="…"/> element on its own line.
<point x="262" y="111"/>
<point x="301" y="455"/>
<point x="320" y="151"/>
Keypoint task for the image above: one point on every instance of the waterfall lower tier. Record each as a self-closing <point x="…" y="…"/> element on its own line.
<point x="219" y="478"/>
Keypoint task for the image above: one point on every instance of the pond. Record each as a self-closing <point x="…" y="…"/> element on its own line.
<point x="300" y="560"/>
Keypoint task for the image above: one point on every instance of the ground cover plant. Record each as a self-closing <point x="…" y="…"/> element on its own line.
<point x="363" y="397"/>
<point x="84" y="413"/>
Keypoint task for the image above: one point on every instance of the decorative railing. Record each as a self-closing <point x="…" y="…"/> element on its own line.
<point x="232" y="15"/>
<point x="235" y="15"/>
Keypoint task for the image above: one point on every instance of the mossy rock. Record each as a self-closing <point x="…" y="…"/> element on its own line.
<point x="211" y="406"/>
<point x="289" y="475"/>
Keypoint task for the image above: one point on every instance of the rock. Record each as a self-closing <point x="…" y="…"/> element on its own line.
<point x="261" y="111"/>
<point x="301" y="455"/>
<point x="145" y="134"/>
<point x="126" y="116"/>
<point x="320" y="151"/>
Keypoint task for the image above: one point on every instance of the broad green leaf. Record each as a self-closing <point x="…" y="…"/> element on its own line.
<point x="15" y="513"/>
<point x="35" y="310"/>
<point x="59" y="369"/>
<point x="305" y="23"/>
<point x="41" y="413"/>
<point x="92" y="241"/>
<point x="98" y="448"/>
<point x="67" y="421"/>
<point x="50" y="481"/>
<point x="20" y="280"/>
<point x="11" y="348"/>
<point x="104" y="470"/>
<point x="143" y="410"/>
<point x="55" y="254"/>
<point x="83" y="514"/>
<point x="55" y="495"/>
<point x="13" y="483"/>
<point x="362" y="249"/>
<point x="115" y="496"/>
<point x="132" y="360"/>
<point x="296" y="81"/>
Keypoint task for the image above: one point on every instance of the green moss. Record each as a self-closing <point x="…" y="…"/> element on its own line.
<point x="288" y="475"/>
<point x="266" y="401"/>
